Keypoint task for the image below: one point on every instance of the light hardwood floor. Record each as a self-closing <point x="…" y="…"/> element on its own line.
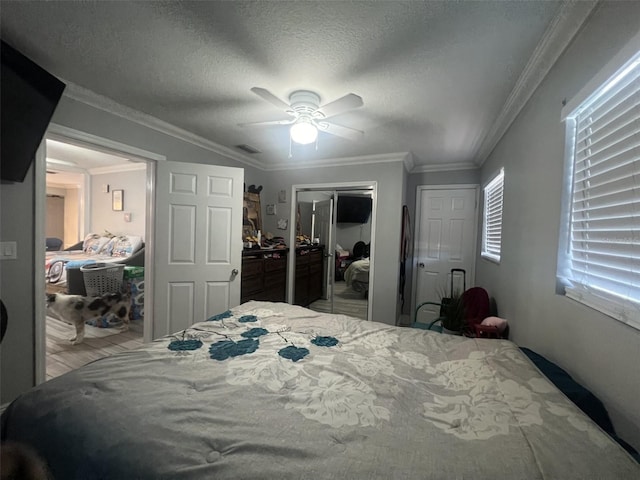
<point x="63" y="357"/>
<point x="346" y="301"/>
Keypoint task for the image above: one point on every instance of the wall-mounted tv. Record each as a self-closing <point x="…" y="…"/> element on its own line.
<point x="29" y="96"/>
<point x="353" y="209"/>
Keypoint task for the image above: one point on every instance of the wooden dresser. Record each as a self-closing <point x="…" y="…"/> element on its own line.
<point x="264" y="275"/>
<point x="309" y="273"/>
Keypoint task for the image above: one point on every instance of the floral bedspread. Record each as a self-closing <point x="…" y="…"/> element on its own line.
<point x="275" y="391"/>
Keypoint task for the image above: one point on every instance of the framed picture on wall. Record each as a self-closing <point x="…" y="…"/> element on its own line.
<point x="117" y="200"/>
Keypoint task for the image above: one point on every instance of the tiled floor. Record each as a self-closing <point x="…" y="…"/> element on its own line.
<point x="63" y="357"/>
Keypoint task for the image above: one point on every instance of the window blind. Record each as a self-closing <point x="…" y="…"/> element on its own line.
<point x="492" y="231"/>
<point x="604" y="244"/>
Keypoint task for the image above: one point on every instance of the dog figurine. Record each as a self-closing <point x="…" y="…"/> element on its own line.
<point x="78" y="309"/>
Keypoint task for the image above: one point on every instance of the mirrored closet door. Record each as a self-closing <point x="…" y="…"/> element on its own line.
<point x="334" y="229"/>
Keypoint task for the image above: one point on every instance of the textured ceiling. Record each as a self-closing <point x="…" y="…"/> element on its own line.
<point x="435" y="77"/>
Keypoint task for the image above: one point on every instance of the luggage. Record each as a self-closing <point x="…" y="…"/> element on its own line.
<point x="445" y="302"/>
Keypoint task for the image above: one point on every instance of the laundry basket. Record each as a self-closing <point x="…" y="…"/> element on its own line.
<point x="101" y="278"/>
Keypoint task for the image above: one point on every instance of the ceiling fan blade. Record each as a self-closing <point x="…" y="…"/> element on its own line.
<point x="271" y="98"/>
<point x="340" y="131"/>
<point x="348" y="102"/>
<point x="272" y="122"/>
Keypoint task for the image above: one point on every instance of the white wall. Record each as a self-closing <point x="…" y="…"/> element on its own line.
<point x="387" y="238"/>
<point x="103" y="217"/>
<point x="599" y="352"/>
<point x="71" y="216"/>
<point x="17" y="288"/>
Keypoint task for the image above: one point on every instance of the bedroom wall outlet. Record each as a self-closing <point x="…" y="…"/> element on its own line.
<point x="127" y="217"/>
<point x="8" y="250"/>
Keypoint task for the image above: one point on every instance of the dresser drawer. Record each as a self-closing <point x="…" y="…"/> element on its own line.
<point x="275" y="264"/>
<point x="316" y="257"/>
<point x="278" y="278"/>
<point x="315" y="267"/>
<point x="251" y="285"/>
<point x="251" y="267"/>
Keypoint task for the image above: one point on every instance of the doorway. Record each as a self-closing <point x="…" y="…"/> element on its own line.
<point x="318" y="217"/>
<point x="445" y="238"/>
<point x="72" y="158"/>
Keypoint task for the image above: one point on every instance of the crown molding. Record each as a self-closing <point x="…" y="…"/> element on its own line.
<point x="88" y="97"/>
<point x="342" y="161"/>
<point x="566" y="24"/>
<point x="409" y="162"/>
<point x="444" y="167"/>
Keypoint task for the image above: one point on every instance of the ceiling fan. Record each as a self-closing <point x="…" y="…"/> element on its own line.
<point x="308" y="117"/>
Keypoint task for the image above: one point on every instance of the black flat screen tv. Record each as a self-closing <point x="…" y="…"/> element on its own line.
<point x="30" y="95"/>
<point x="353" y="209"/>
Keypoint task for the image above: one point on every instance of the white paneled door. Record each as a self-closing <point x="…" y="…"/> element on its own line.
<point x="198" y="247"/>
<point x="445" y="239"/>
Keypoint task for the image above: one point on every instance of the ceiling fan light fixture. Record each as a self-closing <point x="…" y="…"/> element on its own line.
<point x="303" y="131"/>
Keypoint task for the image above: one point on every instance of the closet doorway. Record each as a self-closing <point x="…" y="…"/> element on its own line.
<point x="339" y="220"/>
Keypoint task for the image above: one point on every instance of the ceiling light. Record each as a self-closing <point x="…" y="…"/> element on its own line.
<point x="303" y="131"/>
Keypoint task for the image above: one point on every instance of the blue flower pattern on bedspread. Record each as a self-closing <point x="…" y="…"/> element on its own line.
<point x="254" y="333"/>
<point x="180" y="345"/>
<point x="293" y="353"/>
<point x="325" y="341"/>
<point x="220" y="316"/>
<point x="228" y="348"/>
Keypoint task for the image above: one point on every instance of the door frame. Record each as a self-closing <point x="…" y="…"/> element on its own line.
<point x="77" y="137"/>
<point x="417" y="216"/>
<point x="335" y="187"/>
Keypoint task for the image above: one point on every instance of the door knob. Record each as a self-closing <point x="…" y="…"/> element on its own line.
<point x="421" y="265"/>
<point x="234" y="272"/>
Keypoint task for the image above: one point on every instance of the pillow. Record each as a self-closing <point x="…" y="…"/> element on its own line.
<point x="123" y="245"/>
<point x="499" y="323"/>
<point x="94" y="243"/>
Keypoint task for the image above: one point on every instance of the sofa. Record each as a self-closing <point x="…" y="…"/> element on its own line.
<point x="62" y="268"/>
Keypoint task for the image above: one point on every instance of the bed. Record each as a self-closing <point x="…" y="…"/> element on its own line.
<point x="276" y="391"/>
<point x="356" y="275"/>
<point x="95" y="248"/>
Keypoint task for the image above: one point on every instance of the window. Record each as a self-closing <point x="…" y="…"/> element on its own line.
<point x="599" y="257"/>
<point x="492" y="218"/>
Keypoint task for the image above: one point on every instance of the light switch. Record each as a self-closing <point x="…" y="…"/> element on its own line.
<point x="127" y="217"/>
<point x="8" y="250"/>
